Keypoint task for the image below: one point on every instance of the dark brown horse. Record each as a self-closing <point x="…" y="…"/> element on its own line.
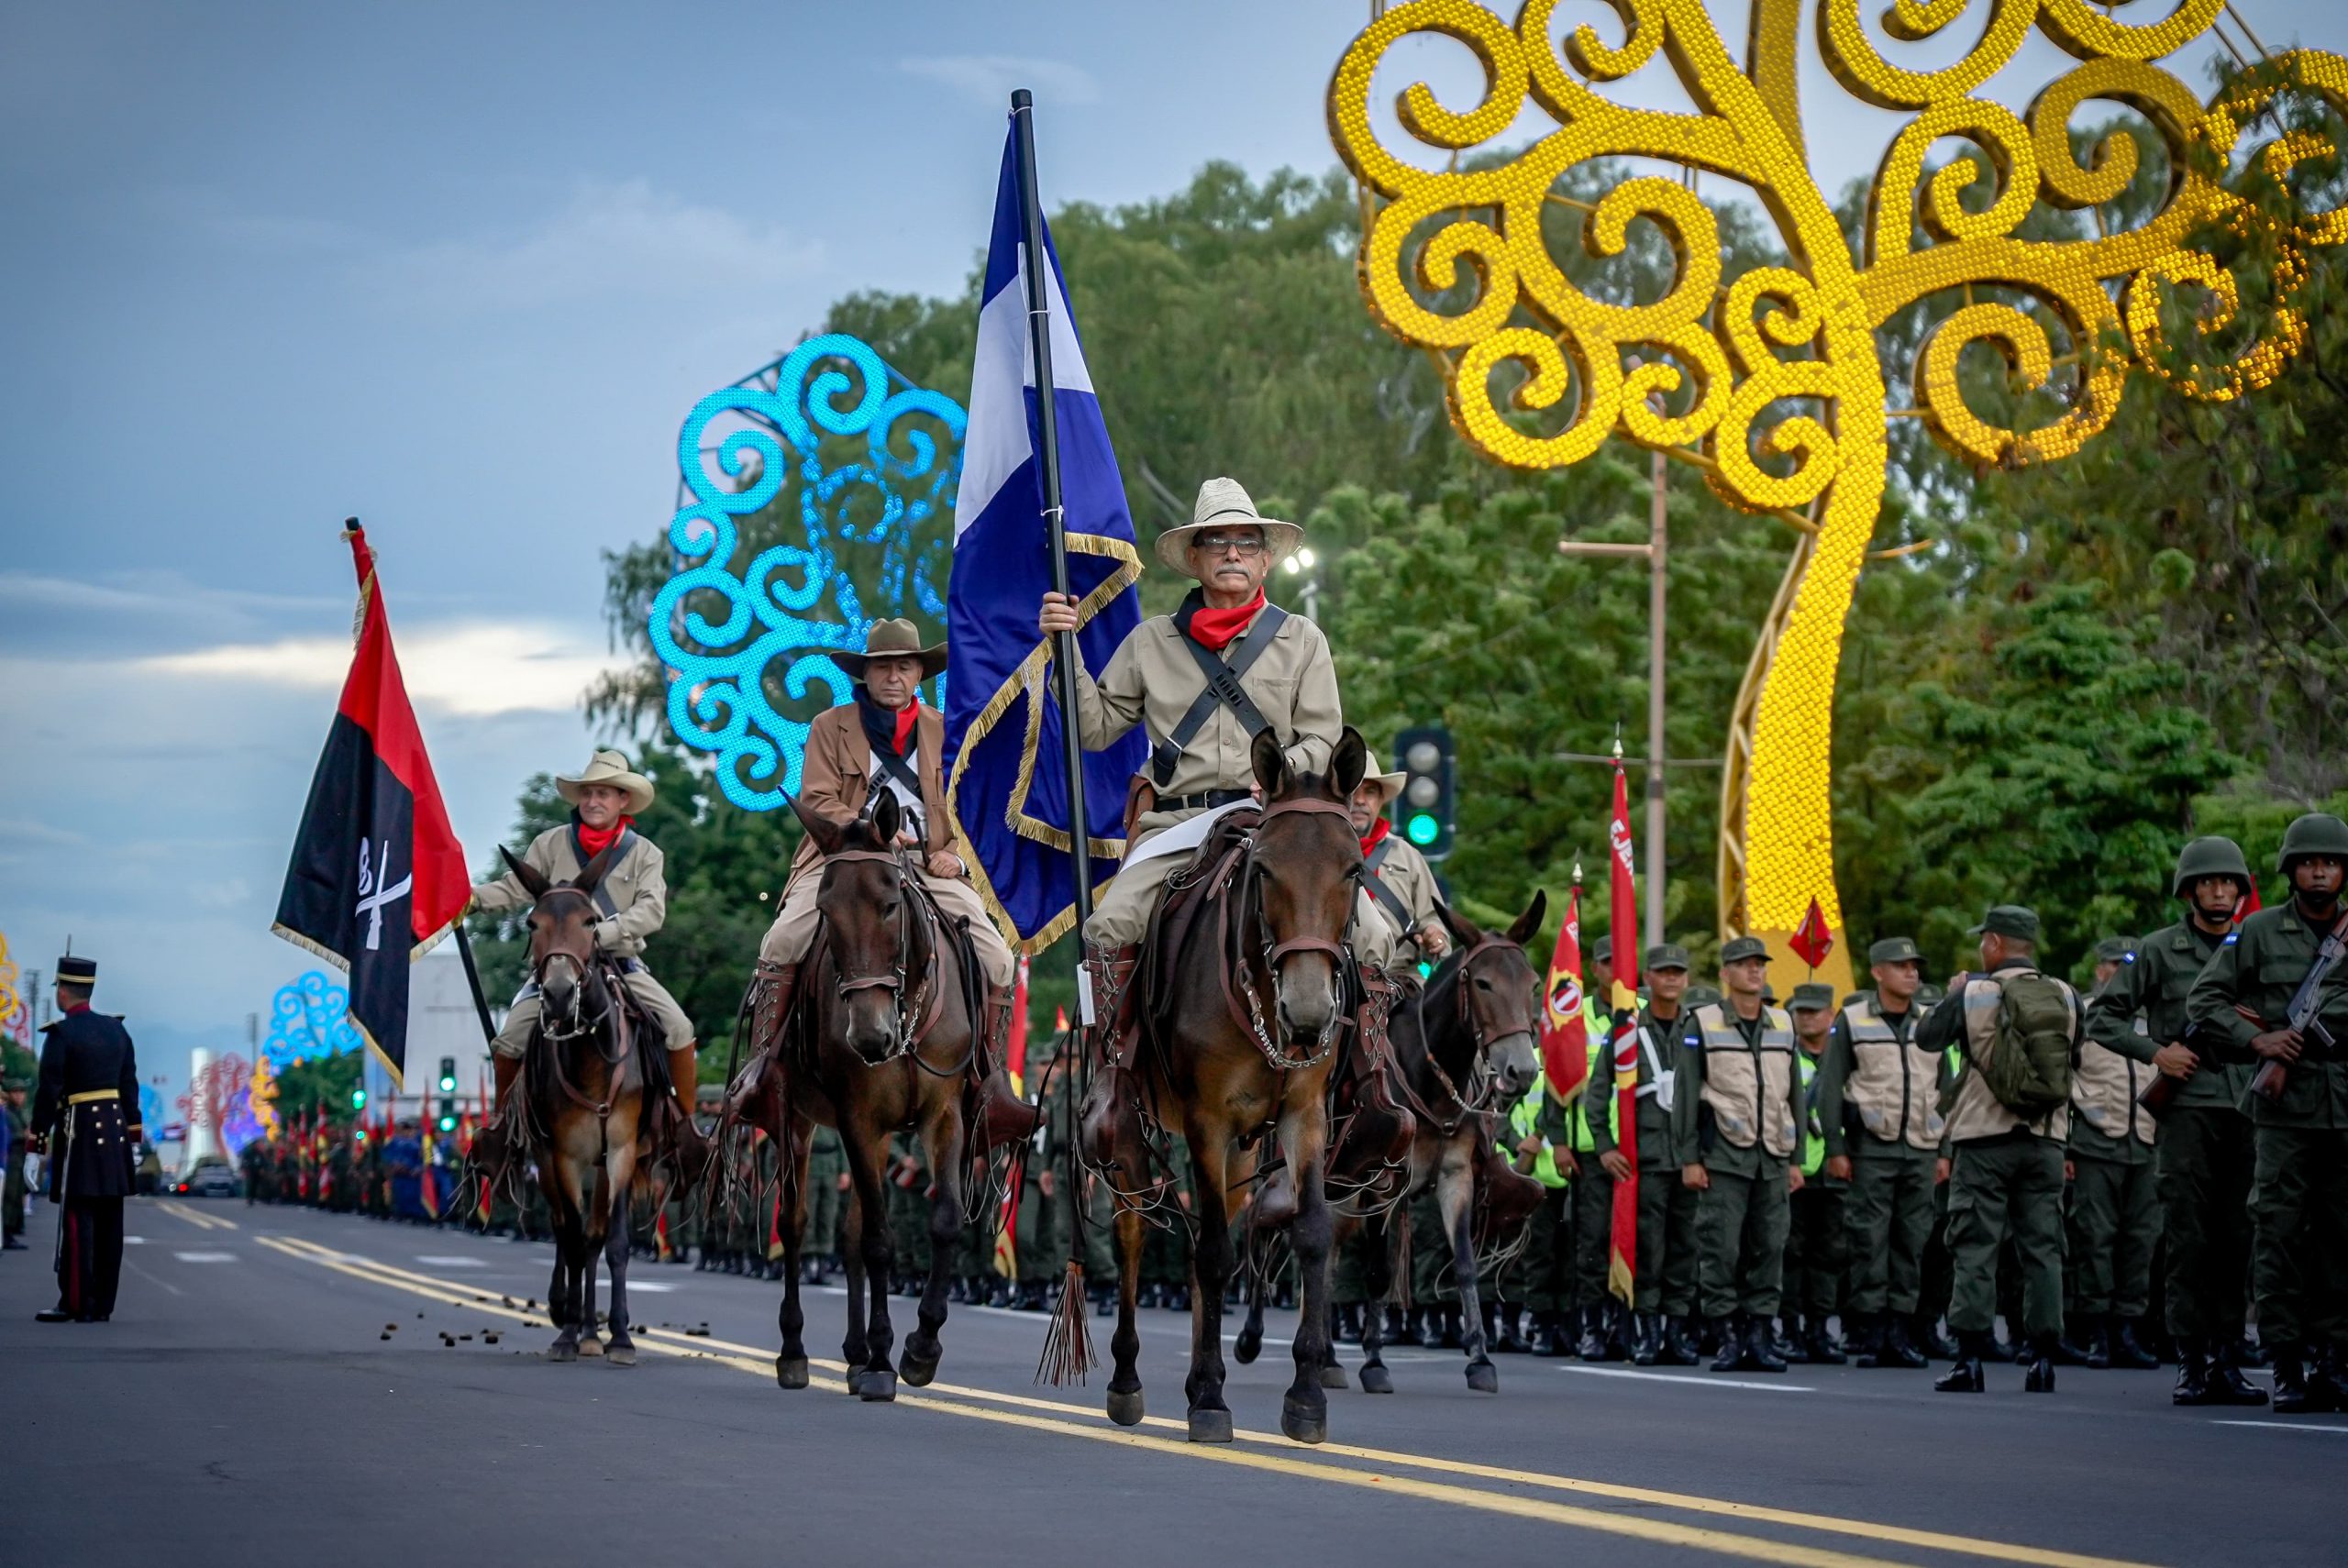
<point x="585" y="1105"/>
<point x="1251" y="992"/>
<point x="1464" y="1048"/>
<point x="883" y="1039"/>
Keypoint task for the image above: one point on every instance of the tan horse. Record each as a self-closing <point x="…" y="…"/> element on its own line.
<point x="1249" y="991"/>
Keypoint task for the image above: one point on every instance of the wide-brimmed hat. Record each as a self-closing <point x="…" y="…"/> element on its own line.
<point x="892" y="639"/>
<point x="611" y="769"/>
<point x="1390" y="785"/>
<point x="1223" y="503"/>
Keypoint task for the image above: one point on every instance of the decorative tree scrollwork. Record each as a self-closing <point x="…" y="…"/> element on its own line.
<point x="1776" y="378"/>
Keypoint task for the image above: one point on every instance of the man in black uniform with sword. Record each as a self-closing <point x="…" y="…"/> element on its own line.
<point x="87" y="1108"/>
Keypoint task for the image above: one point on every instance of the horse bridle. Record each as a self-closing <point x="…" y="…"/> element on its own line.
<point x="1481" y="1077"/>
<point x="909" y="1010"/>
<point x="1275" y="953"/>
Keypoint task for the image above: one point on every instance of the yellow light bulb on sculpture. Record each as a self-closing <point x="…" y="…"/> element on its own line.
<point x="1604" y="368"/>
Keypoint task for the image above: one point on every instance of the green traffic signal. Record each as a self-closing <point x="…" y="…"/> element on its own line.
<point x="447" y="1124"/>
<point x="1421" y="829"/>
<point x="359" y="1100"/>
<point x="448" y="1084"/>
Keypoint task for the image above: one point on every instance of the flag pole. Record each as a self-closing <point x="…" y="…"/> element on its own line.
<point x="1035" y="265"/>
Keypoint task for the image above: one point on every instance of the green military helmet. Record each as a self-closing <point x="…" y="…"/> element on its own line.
<point x="2318" y="832"/>
<point x="2212" y="856"/>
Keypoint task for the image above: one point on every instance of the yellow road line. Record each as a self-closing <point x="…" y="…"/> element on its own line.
<point x="761" y="1361"/>
<point x="179" y="1211"/>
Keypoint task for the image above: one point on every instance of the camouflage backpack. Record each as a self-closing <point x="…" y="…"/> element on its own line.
<point x="2033" y="1045"/>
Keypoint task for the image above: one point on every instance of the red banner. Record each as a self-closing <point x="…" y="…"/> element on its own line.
<point x="1623" y="921"/>
<point x="1565" y="1034"/>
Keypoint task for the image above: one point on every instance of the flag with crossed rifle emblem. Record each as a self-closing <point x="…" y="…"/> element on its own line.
<point x="377" y="876"/>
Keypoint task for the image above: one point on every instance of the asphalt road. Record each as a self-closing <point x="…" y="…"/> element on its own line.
<point x="245" y="1407"/>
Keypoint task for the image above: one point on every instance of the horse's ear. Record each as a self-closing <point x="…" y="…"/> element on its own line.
<point x="887" y="818"/>
<point x="1530" y="920"/>
<point x="1462" y="931"/>
<point x="591" y="876"/>
<point x="1273" y="774"/>
<point x="532" y="882"/>
<point x="1348" y="763"/>
<point x="823" y="830"/>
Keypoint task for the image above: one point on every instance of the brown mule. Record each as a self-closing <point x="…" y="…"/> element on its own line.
<point x="586" y="1101"/>
<point x="1251" y="992"/>
<point x="883" y="1037"/>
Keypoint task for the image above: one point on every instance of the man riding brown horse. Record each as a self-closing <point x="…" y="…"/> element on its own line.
<point x="632" y="902"/>
<point x="887" y="741"/>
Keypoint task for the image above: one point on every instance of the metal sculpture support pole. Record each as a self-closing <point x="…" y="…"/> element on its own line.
<point x="1035" y="268"/>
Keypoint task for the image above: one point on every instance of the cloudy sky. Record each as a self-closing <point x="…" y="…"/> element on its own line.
<point x="462" y="269"/>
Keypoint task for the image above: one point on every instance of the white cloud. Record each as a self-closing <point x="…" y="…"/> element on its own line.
<point x="610" y="239"/>
<point x="477" y="670"/>
<point x="987" y="79"/>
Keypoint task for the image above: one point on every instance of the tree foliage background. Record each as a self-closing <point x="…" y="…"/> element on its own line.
<point x="2075" y="668"/>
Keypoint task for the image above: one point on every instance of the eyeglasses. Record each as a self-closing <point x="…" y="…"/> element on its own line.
<point x="1241" y="545"/>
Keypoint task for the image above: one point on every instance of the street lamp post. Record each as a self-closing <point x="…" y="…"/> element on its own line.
<point x="1301" y="564"/>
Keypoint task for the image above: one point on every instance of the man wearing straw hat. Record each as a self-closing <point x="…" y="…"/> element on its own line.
<point x="888" y="740"/>
<point x="1271" y="670"/>
<point x="1397" y="881"/>
<point x="605" y="798"/>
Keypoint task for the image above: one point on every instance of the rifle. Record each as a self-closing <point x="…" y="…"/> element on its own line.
<point x="2157" y="1096"/>
<point x="2304" y="1014"/>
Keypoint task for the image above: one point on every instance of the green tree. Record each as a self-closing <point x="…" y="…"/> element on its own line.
<point x="321" y="1084"/>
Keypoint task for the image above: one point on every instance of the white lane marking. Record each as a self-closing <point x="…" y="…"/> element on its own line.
<point x="2279" y="1426"/>
<point x="1697" y="1382"/>
<point x="205" y="1257"/>
<point x="449" y="1260"/>
<point x="134" y="1240"/>
<point x="655" y="1287"/>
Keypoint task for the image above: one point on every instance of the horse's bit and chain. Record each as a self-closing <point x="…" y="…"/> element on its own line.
<point x="1251" y="924"/>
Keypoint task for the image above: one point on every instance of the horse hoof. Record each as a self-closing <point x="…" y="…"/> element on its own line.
<point x="558" y="1351"/>
<point x="621" y="1353"/>
<point x="917" y="1370"/>
<point x="790" y="1371"/>
<point x="1247" y="1346"/>
<point x="1302" y="1422"/>
<point x="1376" y="1380"/>
<point x="856" y="1380"/>
<point x="1125" y="1408"/>
<point x="1209" y="1426"/>
<point x="1483" y="1379"/>
<point x="1334" y="1377"/>
<point x="878" y="1387"/>
<point x="591" y="1347"/>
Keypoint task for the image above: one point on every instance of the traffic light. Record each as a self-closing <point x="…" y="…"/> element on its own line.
<point x="448" y="1075"/>
<point x="448" y="1108"/>
<point x="359" y="1099"/>
<point x="1424" y="810"/>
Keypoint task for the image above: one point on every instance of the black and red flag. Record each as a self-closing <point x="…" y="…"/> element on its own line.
<point x="378" y="877"/>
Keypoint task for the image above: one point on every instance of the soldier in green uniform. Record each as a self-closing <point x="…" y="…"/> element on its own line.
<point x="1818" y="1245"/>
<point x="2006" y="1170"/>
<point x="689" y="1212"/>
<point x="1736" y="1109"/>
<point x="1166" y="1249"/>
<point x="1536" y="1280"/>
<point x="1664" y="1292"/>
<point x="2115" y="1219"/>
<point x="13" y="1091"/>
<point x="1878" y="1093"/>
<point x="2299" y="1186"/>
<point x="2203" y="1156"/>
<point x="908" y="1212"/>
<point x="1435" y="1293"/>
<point x="827" y="1186"/>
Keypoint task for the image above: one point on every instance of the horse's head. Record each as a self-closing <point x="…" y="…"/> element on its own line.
<point x="1500" y="997"/>
<point x="562" y="933"/>
<point x="862" y="900"/>
<point x="1307" y="858"/>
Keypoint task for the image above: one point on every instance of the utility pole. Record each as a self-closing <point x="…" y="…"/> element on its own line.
<point x="1654" y="553"/>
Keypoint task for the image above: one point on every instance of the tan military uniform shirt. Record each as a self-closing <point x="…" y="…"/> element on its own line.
<point x="1406" y="875"/>
<point x="638" y="888"/>
<point x="836" y="779"/>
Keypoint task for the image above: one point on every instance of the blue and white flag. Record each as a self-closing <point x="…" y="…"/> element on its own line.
<point x="1008" y="787"/>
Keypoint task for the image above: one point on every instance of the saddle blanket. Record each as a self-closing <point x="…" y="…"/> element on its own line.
<point x="1187" y="834"/>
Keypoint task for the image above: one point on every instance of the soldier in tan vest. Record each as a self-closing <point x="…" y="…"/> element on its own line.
<point x="2115" y="1218"/>
<point x="2005" y="1173"/>
<point x="1736" y="1109"/>
<point x="605" y="798"/>
<point x="1200" y="740"/>
<point x="887" y="738"/>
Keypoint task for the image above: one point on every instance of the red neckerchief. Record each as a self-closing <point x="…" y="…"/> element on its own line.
<point x="907" y="716"/>
<point x="1378" y="829"/>
<point x="595" y="841"/>
<point x="1214" y="629"/>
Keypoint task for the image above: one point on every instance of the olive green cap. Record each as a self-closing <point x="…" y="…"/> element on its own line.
<point x="2318" y="832"/>
<point x="2009" y="920"/>
<point x="2114" y="949"/>
<point x="1813" y="996"/>
<point x="15" y="1081"/>
<point x="1603" y="951"/>
<point x="1701" y="996"/>
<point x="1667" y="956"/>
<point x="1894" y="950"/>
<point x="1931" y="996"/>
<point x="1739" y="948"/>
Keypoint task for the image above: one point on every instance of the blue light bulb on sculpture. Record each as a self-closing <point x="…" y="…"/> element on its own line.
<point x="308" y="1019"/>
<point x="871" y="542"/>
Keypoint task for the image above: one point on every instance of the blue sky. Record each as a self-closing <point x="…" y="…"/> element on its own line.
<point x="462" y="270"/>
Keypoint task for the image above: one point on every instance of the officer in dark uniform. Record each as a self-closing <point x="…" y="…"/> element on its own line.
<point x="86" y="1111"/>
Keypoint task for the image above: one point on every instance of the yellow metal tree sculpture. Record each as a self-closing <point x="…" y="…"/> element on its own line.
<point x="1773" y="383"/>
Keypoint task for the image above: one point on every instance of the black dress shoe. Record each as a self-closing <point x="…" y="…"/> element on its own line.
<point x="11" y="1244"/>
<point x="1965" y="1377"/>
<point x="53" y="1314"/>
<point x="2039" y="1378"/>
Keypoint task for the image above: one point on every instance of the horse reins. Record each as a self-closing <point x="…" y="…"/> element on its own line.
<point x="1480" y="1078"/>
<point x="910" y="1008"/>
<point x="1251" y="921"/>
